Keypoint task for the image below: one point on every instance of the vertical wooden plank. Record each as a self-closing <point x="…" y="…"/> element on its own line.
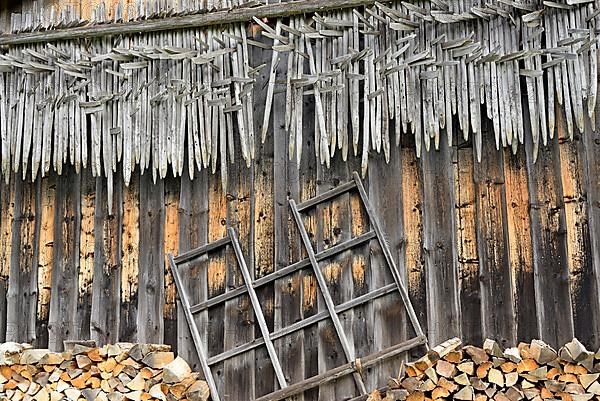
<point x="263" y="213"/>
<point x="334" y="227"/>
<point x="439" y="239"/>
<point x="549" y="244"/>
<point x="130" y="259"/>
<point x="388" y="313"/>
<point x="582" y="285"/>
<point x="90" y="200"/>
<point x="492" y="245"/>
<point x="591" y="151"/>
<point x="412" y="216"/>
<point x="308" y="189"/>
<point x="193" y="222"/>
<point x="6" y="217"/>
<point x="240" y="381"/>
<point x="466" y="244"/>
<point x="217" y="229"/>
<point x="151" y="298"/>
<point x="171" y="245"/>
<point x="46" y="244"/>
<point x="520" y="246"/>
<point x="106" y="295"/>
<point x="22" y="283"/>
<point x="67" y="225"/>
<point x="288" y="291"/>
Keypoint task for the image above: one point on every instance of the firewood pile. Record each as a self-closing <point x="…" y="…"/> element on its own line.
<point x="529" y="372"/>
<point x="118" y="372"/>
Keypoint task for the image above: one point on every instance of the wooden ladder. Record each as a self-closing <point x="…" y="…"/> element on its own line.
<point x="353" y="365"/>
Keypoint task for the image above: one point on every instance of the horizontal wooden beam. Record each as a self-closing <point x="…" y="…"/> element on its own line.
<point x="229" y="16"/>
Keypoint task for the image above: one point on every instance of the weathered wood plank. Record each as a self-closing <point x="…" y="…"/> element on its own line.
<point x="193" y="223"/>
<point x="308" y="189"/>
<point x="67" y="226"/>
<point x="89" y="203"/>
<point x="286" y="245"/>
<point x="6" y="218"/>
<point x="171" y="245"/>
<point x="549" y="244"/>
<point x="47" y="197"/>
<point x="585" y="305"/>
<point x="21" y="297"/>
<point x="412" y="216"/>
<point x="106" y="285"/>
<point x="240" y="381"/>
<point x="217" y="229"/>
<point x="389" y="313"/>
<point x="151" y="299"/>
<point x="438" y="243"/>
<point x="492" y="245"/>
<point x="520" y="245"/>
<point x="591" y="152"/>
<point x="130" y="259"/>
<point x="466" y="242"/>
<point x="263" y="213"/>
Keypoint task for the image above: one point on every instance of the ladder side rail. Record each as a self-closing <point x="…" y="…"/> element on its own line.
<point x="350" y="357"/>
<point x="194" y="330"/>
<point x="262" y="323"/>
<point x="388" y="256"/>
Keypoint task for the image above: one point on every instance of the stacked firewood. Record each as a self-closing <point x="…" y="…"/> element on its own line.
<point x="529" y="372"/>
<point x="118" y="372"/>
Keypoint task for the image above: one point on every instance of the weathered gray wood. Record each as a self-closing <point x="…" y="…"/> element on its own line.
<point x="105" y="318"/>
<point x="21" y="297"/>
<point x="63" y="308"/>
<point x="549" y="245"/>
<point x="151" y="275"/>
<point x="439" y="240"/>
<point x="193" y="222"/>
<point x="591" y="150"/>
<point x="492" y="242"/>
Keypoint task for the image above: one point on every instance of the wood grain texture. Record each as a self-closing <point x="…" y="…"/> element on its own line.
<point x="494" y="264"/>
<point x="591" y="152"/>
<point x="62" y="323"/>
<point x="106" y="294"/>
<point x="439" y="246"/>
<point x="520" y="244"/>
<point x="130" y="260"/>
<point x="21" y="297"/>
<point x="582" y="286"/>
<point x="549" y="244"/>
<point x="151" y="299"/>
<point x="47" y="197"/>
<point x="466" y="244"/>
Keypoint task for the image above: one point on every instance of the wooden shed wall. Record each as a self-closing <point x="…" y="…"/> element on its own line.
<point x="504" y="248"/>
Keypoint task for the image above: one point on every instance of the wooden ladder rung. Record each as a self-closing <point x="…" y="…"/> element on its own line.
<point x="187" y="256"/>
<point x="325" y="196"/>
<point x="304" y="263"/>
